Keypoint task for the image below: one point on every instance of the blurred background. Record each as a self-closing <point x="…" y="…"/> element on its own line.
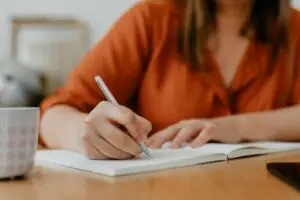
<point x="41" y="41"/>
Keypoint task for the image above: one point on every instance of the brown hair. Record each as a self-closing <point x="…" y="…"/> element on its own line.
<point x="268" y="24"/>
<point x="266" y="18"/>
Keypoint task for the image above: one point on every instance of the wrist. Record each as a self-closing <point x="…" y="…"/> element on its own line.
<point x="244" y="127"/>
<point x="253" y="128"/>
<point x="77" y="126"/>
<point x="69" y="127"/>
<point x="239" y="124"/>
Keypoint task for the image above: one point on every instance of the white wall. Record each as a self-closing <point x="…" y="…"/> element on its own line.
<point x="56" y="62"/>
<point x="296" y="3"/>
<point x="98" y="13"/>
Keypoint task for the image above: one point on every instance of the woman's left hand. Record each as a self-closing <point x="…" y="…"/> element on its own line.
<point x="196" y="132"/>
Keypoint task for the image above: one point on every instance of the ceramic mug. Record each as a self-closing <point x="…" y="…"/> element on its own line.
<point x="18" y="140"/>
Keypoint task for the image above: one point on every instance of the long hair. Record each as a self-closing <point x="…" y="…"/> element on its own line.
<point x="268" y="22"/>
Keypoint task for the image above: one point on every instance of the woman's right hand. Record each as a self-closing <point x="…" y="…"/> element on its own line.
<point x="113" y="132"/>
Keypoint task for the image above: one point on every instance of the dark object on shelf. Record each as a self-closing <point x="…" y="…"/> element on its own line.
<point x="20" y="86"/>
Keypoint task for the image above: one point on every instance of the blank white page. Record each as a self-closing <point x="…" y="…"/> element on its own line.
<point x="274" y="145"/>
<point x="161" y="159"/>
<point x="219" y="148"/>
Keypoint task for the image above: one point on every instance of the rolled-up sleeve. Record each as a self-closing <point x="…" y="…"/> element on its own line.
<point x="119" y="58"/>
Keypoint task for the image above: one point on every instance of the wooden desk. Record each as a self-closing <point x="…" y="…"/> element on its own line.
<point x="239" y="179"/>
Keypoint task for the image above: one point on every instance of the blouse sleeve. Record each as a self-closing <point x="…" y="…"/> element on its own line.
<point x="295" y="92"/>
<point x="119" y="58"/>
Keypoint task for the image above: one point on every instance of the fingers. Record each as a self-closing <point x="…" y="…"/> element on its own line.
<point x="116" y="137"/>
<point x="182" y="133"/>
<point x="103" y="146"/>
<point x="185" y="134"/>
<point x="90" y="151"/>
<point x="157" y="140"/>
<point x="203" y="137"/>
<point x="143" y="127"/>
<point x="135" y="125"/>
<point x="115" y="131"/>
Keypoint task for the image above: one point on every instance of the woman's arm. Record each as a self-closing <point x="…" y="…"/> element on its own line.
<point x="282" y="124"/>
<point x="118" y="58"/>
<point x="62" y="127"/>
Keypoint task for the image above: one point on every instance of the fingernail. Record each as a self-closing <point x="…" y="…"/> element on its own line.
<point x="141" y="138"/>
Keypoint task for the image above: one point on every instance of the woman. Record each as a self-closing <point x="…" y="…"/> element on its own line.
<point x="186" y="71"/>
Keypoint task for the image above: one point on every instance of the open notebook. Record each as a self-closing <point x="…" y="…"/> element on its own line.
<point x="163" y="158"/>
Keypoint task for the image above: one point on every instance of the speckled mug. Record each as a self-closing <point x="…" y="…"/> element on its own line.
<point x="18" y="140"/>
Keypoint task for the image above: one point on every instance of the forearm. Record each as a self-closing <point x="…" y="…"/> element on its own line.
<point x="281" y="124"/>
<point x="61" y="127"/>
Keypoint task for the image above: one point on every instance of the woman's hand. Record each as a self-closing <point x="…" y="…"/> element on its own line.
<point x="197" y="132"/>
<point x="113" y="132"/>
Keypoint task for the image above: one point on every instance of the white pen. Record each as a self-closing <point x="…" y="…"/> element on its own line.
<point x="108" y="95"/>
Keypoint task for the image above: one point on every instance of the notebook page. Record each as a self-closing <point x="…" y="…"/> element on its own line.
<point x="161" y="159"/>
<point x="212" y="148"/>
<point x="259" y="148"/>
<point x="215" y="148"/>
<point x="274" y="145"/>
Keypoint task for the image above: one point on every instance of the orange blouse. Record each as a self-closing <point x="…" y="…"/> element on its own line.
<point x="137" y="59"/>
